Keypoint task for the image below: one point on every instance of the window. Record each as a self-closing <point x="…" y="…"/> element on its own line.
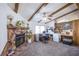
<point x="39" y="29"/>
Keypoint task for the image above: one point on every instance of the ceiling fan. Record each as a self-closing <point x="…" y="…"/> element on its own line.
<point x="45" y="17"/>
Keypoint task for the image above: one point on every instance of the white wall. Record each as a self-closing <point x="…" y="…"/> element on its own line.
<point x="33" y="24"/>
<point x="3" y="31"/>
<point x="4" y="12"/>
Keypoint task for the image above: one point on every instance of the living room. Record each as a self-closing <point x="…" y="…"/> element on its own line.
<point x="39" y="26"/>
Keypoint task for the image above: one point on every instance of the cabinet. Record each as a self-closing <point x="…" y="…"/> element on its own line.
<point x="76" y="32"/>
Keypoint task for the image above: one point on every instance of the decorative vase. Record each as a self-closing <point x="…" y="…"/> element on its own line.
<point x="29" y="41"/>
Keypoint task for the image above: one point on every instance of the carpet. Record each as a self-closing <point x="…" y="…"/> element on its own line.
<point x="48" y="49"/>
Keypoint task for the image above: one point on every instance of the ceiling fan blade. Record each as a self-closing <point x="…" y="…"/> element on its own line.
<point x="39" y="21"/>
<point x="49" y="18"/>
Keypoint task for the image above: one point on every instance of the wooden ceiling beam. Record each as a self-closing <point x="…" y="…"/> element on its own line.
<point x="63" y="15"/>
<point x="16" y="7"/>
<point x="77" y="4"/>
<point x="44" y="4"/>
<point x="61" y="9"/>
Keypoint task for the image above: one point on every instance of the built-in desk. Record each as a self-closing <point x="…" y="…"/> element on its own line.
<point x="67" y="39"/>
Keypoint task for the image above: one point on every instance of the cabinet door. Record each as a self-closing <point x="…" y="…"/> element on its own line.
<point x="76" y="31"/>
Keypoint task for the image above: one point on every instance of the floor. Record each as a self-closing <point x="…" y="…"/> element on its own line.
<point x="48" y="49"/>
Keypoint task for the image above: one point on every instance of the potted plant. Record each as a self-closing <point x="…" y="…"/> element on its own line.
<point x="20" y="23"/>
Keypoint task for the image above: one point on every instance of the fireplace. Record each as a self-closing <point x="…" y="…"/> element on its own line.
<point x="19" y="39"/>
